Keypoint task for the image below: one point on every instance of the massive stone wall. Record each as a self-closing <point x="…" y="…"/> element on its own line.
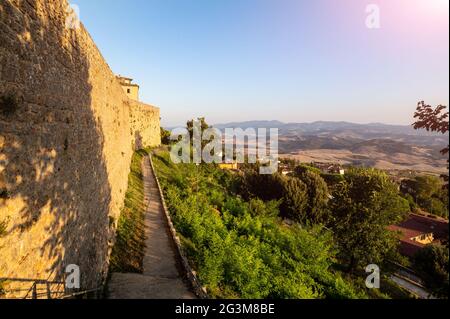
<point x="145" y="127"/>
<point x="67" y="132"/>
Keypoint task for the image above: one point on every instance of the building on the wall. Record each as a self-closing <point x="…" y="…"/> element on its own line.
<point x="131" y="89"/>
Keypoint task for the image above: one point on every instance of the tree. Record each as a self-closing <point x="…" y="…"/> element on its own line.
<point x="203" y="125"/>
<point x="318" y="195"/>
<point x="434" y="120"/>
<point x="432" y="263"/>
<point x="295" y="199"/>
<point x="428" y="193"/>
<point x="165" y="136"/>
<point x="362" y="208"/>
<point x="304" y="197"/>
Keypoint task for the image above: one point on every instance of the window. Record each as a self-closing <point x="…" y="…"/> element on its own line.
<point x="128" y="91"/>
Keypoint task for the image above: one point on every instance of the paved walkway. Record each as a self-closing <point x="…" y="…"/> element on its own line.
<point x="161" y="277"/>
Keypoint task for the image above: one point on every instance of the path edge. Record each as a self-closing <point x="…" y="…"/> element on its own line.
<point x="191" y="275"/>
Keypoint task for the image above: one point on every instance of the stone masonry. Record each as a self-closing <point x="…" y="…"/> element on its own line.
<point x="67" y="134"/>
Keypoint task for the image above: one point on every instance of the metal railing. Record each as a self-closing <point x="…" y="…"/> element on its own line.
<point x="45" y="289"/>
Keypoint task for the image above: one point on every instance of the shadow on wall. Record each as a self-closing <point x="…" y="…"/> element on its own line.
<point x="53" y="178"/>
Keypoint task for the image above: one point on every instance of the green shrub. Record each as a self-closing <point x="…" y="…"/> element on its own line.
<point x="238" y="246"/>
<point x="128" y="252"/>
<point x="432" y="263"/>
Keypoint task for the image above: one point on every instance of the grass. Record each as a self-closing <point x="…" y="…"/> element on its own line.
<point x="128" y="252"/>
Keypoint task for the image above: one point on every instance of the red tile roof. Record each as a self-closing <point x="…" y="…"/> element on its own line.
<point x="417" y="225"/>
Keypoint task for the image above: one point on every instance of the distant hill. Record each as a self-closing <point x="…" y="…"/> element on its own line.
<point x="345" y="132"/>
<point x="379" y="145"/>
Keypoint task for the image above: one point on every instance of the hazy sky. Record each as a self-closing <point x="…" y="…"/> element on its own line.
<point x="287" y="60"/>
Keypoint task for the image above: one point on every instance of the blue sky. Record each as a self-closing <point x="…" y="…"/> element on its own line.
<point x="287" y="60"/>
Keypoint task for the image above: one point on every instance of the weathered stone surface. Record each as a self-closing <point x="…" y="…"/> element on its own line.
<point x="66" y="144"/>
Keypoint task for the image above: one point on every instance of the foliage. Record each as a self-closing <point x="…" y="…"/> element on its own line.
<point x="165" y="136"/>
<point x="265" y="187"/>
<point x="432" y="263"/>
<point x="203" y="125"/>
<point x="362" y="207"/>
<point x="428" y="193"/>
<point x="302" y="198"/>
<point x="434" y="120"/>
<point x="128" y="251"/>
<point x="303" y="168"/>
<point x="332" y="179"/>
<point x="318" y="195"/>
<point x="295" y="199"/>
<point x="238" y="246"/>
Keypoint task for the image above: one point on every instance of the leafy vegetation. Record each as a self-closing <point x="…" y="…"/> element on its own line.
<point x="428" y="193"/>
<point x="363" y="207"/>
<point x="432" y="263"/>
<point x="239" y="246"/>
<point x="318" y="195"/>
<point x="302" y="198"/>
<point x="165" y="136"/>
<point x="434" y="120"/>
<point x="127" y="254"/>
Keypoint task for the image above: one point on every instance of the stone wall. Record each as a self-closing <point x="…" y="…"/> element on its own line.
<point x="67" y="132"/>
<point x="145" y="127"/>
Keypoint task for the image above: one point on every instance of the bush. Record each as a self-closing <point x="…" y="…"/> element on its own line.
<point x="428" y="193"/>
<point x="239" y="247"/>
<point x="363" y="207"/>
<point x="318" y="196"/>
<point x="432" y="263"/>
<point x="333" y="179"/>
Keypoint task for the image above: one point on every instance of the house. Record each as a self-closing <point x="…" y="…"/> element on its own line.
<point x="335" y="169"/>
<point x="328" y="168"/>
<point x="130" y="89"/>
<point x="420" y="230"/>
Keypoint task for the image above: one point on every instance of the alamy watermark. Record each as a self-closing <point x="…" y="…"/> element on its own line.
<point x="73" y="277"/>
<point x="373" y="19"/>
<point x="235" y="145"/>
<point x="374" y="277"/>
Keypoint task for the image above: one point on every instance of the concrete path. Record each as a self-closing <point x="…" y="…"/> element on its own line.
<point x="413" y="287"/>
<point x="161" y="277"/>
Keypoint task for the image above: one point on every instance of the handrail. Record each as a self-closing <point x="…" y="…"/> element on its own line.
<point x="51" y="289"/>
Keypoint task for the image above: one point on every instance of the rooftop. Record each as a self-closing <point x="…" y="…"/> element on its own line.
<point x="418" y="225"/>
